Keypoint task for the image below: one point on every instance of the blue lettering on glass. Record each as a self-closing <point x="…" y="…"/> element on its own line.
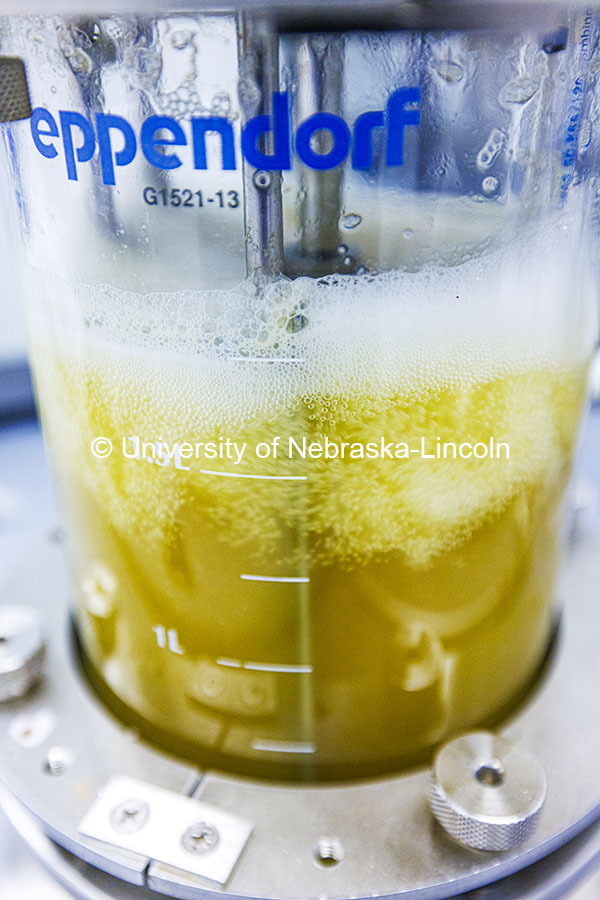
<point x="85" y="151"/>
<point x="398" y="118"/>
<point x="104" y="125"/>
<point x="279" y="126"/>
<point x="218" y="125"/>
<point x="267" y="141"/>
<point x="362" y="153"/>
<point x="340" y="136"/>
<point x="150" y="141"/>
<point x="38" y="117"/>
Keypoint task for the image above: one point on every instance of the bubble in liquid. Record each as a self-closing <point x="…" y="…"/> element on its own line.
<point x="348" y="260"/>
<point x="489" y="184"/>
<point x="181" y="39"/>
<point x="221" y="104"/>
<point x="450" y="71"/>
<point x="519" y="90"/>
<point x="351" y="220"/>
<point x="296" y="323"/>
<point x="408" y="233"/>
<point x="342" y="249"/>
<point x="491" y="149"/>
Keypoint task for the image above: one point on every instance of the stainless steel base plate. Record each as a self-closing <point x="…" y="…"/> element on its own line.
<point x="59" y="747"/>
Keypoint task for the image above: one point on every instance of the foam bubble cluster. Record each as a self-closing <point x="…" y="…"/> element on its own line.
<point x="493" y="347"/>
<point x="245" y="352"/>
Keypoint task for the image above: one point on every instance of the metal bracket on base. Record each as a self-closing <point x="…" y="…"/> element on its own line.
<point x="200" y="839"/>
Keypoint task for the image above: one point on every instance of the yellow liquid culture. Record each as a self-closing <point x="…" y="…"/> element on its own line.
<point x="340" y="616"/>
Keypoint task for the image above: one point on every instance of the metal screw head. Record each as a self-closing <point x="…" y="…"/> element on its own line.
<point x="200" y="838"/>
<point x="262" y="180"/>
<point x="130" y="816"/>
<point x="21" y="650"/>
<point x="487" y="792"/>
<point x="58" y="760"/>
<point x="329" y="852"/>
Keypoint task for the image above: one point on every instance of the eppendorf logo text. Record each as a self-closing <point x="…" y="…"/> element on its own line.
<point x="167" y="143"/>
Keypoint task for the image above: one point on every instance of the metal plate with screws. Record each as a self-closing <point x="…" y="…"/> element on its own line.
<point x="167" y="827"/>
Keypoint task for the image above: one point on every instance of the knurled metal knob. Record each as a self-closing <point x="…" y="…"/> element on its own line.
<point x="487" y="792"/>
<point x="14" y="92"/>
<point x="21" y="651"/>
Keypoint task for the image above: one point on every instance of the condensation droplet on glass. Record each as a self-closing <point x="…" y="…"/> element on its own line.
<point x="181" y="39"/>
<point x="519" y="90"/>
<point x="80" y="62"/>
<point x="221" y="103"/>
<point x="117" y="29"/>
<point x="450" y="71"/>
<point x="585" y="136"/>
<point x="489" y="184"/>
<point x="351" y="220"/>
<point x="491" y="149"/>
<point x="249" y="94"/>
<point x="287" y="78"/>
<point x="143" y="65"/>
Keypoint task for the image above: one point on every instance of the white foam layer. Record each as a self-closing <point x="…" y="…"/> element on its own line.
<point x="245" y="352"/>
